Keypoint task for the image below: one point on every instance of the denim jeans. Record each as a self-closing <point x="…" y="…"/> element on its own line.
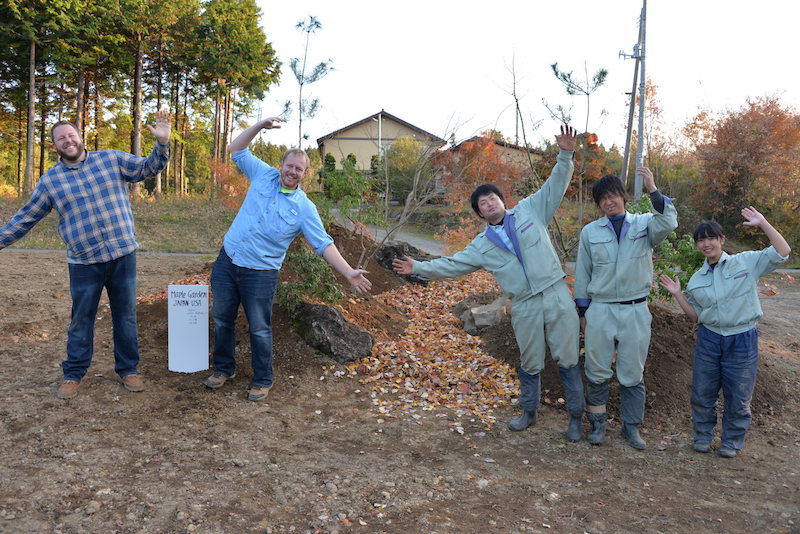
<point x="730" y="363"/>
<point x="86" y="283"/>
<point x="232" y="285"/>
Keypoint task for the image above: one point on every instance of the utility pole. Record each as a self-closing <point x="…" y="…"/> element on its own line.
<point x="638" y="55"/>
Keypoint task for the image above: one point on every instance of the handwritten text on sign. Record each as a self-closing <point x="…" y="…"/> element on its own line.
<point x="188" y="328"/>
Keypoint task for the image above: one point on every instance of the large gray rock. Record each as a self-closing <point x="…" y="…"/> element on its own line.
<point x="326" y="329"/>
<point x="485" y="315"/>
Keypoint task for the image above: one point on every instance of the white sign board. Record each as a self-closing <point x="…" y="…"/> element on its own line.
<point x="188" y="328"/>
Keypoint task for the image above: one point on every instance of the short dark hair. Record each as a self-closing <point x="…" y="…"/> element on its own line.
<point x="608" y="184"/>
<point x="482" y="191"/>
<point x="64" y="123"/>
<point x="707" y="229"/>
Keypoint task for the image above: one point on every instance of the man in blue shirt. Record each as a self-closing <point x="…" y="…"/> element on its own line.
<point x="275" y="210"/>
<point x="89" y="192"/>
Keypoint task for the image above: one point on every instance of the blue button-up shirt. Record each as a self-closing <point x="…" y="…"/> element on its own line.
<point x="95" y="220"/>
<point x="270" y="219"/>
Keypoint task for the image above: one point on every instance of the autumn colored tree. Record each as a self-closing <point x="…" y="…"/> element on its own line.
<point x="752" y="159"/>
<point x="465" y="167"/>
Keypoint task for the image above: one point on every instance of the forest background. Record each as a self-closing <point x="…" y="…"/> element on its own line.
<point x="109" y="65"/>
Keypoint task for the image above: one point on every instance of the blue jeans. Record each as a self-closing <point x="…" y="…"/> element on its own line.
<point x="730" y="363"/>
<point x="232" y="285"/>
<point x="86" y="283"/>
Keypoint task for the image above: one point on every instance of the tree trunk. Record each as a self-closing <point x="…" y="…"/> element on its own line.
<point x="20" y="129"/>
<point x="42" y="136"/>
<point x="79" y="101"/>
<point x="136" y="135"/>
<point x="175" y="106"/>
<point x="217" y="141"/>
<point x="31" y="119"/>
<point x="97" y="115"/>
<point x="159" y="76"/>
<point x="184" y="134"/>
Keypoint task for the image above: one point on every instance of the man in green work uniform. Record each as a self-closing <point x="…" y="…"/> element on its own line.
<point x="515" y="247"/>
<point x="613" y="276"/>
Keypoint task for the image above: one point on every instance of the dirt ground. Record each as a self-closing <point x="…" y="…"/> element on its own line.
<point x="317" y="457"/>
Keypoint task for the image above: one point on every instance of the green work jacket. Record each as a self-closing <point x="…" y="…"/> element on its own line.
<point x="539" y="267"/>
<point x="611" y="271"/>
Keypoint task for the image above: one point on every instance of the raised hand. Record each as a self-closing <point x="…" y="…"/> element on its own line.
<point x="568" y="138"/>
<point x="162" y="128"/>
<point x="671" y="285"/>
<point x="271" y="122"/>
<point x="752" y="217"/>
<point x="647" y="179"/>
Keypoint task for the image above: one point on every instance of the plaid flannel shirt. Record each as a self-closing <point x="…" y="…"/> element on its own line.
<point x="91" y="198"/>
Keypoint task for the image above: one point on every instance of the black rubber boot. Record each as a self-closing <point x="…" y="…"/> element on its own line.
<point x="529" y="392"/>
<point x="596" y="399"/>
<point x="598" y="433"/>
<point x="631" y="433"/>
<point x="522" y="422"/>
<point x="573" y="393"/>
<point x="631" y="410"/>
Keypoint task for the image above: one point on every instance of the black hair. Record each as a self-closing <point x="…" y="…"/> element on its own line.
<point x="707" y="229"/>
<point x="483" y="190"/>
<point x="608" y="184"/>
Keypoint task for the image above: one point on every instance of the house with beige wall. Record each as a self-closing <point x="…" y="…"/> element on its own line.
<point x="370" y="137"/>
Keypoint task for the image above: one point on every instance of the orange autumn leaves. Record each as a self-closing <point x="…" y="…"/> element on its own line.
<point x="436" y="364"/>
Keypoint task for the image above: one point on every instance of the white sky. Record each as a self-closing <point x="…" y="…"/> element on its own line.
<point x="445" y="65"/>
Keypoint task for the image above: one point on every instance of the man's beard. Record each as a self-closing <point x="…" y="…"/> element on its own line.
<point x="78" y="154"/>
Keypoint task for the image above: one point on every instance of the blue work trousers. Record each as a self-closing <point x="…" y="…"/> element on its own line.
<point x="729" y="363"/>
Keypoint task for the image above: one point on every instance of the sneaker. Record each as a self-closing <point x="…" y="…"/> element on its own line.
<point x="133" y="383"/>
<point x="727" y="452"/>
<point x="217" y="380"/>
<point x="702" y="446"/>
<point x="258" y="393"/>
<point x="68" y="389"/>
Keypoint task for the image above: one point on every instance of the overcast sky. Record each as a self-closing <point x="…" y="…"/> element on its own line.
<point x="446" y="66"/>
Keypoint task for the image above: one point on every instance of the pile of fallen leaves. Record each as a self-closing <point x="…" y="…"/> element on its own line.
<point x="436" y="364"/>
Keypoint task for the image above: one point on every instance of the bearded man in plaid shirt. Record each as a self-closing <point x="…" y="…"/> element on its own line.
<point x="88" y="190"/>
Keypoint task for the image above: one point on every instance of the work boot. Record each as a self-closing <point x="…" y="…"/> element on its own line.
<point x="631" y="433"/>
<point x="529" y="392"/>
<point x="258" y="393"/>
<point x="631" y="411"/>
<point x="572" y="382"/>
<point x="68" y="389"/>
<point x="217" y="380"/>
<point x="598" y="433"/>
<point x="522" y="422"/>
<point x="133" y="383"/>
<point x="702" y="446"/>
<point x="727" y="452"/>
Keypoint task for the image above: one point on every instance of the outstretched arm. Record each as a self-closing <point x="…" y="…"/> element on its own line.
<point x="754" y="218"/>
<point x="356" y="277"/>
<point x="243" y="139"/>
<point x="674" y="287"/>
